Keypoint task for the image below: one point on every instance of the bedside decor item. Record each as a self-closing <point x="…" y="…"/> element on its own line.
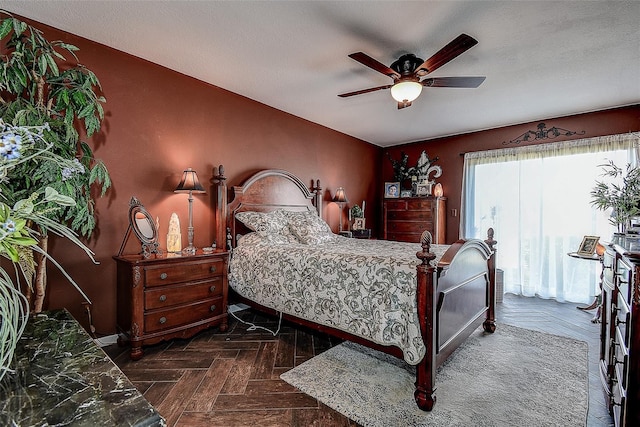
<point x="341" y="199"/>
<point x="359" y="224"/>
<point x="142" y="225"/>
<point x="588" y="245"/>
<point x="621" y="193"/>
<point x="391" y="190"/>
<point x="190" y="184"/>
<point x="437" y="190"/>
<point x="174" y="237"/>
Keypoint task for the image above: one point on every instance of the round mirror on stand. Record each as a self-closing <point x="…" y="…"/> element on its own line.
<point x="141" y="222"/>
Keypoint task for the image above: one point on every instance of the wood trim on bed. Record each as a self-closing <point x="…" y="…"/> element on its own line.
<point x="466" y="266"/>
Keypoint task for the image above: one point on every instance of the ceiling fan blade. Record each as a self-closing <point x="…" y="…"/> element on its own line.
<point x="368" y="61"/>
<point x="470" y="82"/>
<point x="360" y="92"/>
<point x="459" y="45"/>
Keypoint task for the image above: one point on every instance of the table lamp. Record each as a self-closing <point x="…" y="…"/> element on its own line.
<point x="190" y="184"/>
<point x="340" y="198"/>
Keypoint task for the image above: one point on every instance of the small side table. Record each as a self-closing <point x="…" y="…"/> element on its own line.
<point x="361" y="234"/>
<point x="597" y="301"/>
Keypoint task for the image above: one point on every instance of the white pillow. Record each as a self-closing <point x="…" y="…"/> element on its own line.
<point x="308" y="227"/>
<point x="273" y="225"/>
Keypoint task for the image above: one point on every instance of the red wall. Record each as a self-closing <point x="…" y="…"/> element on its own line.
<point x="159" y="122"/>
<point x="609" y="122"/>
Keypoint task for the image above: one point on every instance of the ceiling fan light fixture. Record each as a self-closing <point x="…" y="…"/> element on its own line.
<point x="406" y="91"/>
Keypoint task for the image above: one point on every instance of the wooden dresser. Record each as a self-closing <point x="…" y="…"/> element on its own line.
<point x="405" y="219"/>
<point x="170" y="296"/>
<point x="620" y="334"/>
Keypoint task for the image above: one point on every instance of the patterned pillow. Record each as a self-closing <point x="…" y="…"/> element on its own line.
<point x="273" y="225"/>
<point x="308" y="227"/>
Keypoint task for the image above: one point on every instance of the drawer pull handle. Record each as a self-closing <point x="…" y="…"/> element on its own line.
<point x="212" y="288"/>
<point x="163" y="320"/>
<point x="212" y="308"/>
<point x="212" y="269"/>
<point x="164" y="276"/>
<point x="163" y="298"/>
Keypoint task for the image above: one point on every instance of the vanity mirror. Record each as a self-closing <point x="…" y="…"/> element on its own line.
<point x="141" y="222"/>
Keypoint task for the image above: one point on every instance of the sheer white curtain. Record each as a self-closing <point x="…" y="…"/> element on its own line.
<point x="537" y="198"/>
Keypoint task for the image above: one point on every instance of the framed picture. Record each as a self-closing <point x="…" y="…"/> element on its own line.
<point x="423" y="189"/>
<point x="392" y="190"/>
<point x="405" y="193"/>
<point x="358" y="223"/>
<point x="588" y="245"/>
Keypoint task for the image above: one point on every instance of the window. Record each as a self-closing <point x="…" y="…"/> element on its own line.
<point x="537" y="198"/>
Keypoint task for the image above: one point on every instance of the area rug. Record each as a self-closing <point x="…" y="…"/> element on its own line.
<point x="514" y="377"/>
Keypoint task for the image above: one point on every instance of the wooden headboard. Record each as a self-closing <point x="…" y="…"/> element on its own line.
<point x="265" y="191"/>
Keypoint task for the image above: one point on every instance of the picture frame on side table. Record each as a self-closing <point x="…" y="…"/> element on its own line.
<point x="588" y="245"/>
<point x="405" y="193"/>
<point x="358" y="223"/>
<point x="392" y="190"/>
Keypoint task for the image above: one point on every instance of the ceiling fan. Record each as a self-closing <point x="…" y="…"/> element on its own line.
<point x="407" y="71"/>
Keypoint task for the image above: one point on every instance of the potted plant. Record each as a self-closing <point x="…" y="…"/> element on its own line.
<point x="51" y="99"/>
<point x="620" y="192"/>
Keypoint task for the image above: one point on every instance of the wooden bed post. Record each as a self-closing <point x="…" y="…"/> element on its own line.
<point x="489" y="325"/>
<point x="220" y="214"/>
<point x="317" y="200"/>
<point x="426" y="299"/>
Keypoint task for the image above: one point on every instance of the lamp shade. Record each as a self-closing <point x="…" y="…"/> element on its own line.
<point x="189" y="183"/>
<point x="406" y="91"/>
<point x="341" y="196"/>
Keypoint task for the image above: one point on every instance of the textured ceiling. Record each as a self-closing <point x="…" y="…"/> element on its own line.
<point x="541" y="58"/>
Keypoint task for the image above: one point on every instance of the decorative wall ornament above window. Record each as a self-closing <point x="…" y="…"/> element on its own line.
<point x="542" y="133"/>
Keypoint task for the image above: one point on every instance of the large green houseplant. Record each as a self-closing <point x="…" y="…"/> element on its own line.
<point x="41" y="87"/>
<point x="619" y="191"/>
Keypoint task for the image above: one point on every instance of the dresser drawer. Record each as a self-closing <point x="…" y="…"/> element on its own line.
<point x="623" y="314"/>
<point x="621" y="358"/>
<point x="182" y="315"/>
<point x="419" y="204"/>
<point x="410" y="216"/>
<point x="175" y="273"/>
<point x="159" y="297"/>
<point x="408" y="227"/>
<point x="405" y="237"/>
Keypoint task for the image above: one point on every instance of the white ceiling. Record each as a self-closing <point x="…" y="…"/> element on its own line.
<point x="541" y="58"/>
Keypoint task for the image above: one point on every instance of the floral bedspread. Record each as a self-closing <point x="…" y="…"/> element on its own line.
<point x="365" y="287"/>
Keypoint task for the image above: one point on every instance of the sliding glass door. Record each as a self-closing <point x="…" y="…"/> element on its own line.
<point x="538" y="201"/>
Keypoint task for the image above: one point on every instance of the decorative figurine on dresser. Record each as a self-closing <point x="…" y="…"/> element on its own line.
<point x="167" y="295"/>
<point x="418" y="205"/>
<point x="620" y="333"/>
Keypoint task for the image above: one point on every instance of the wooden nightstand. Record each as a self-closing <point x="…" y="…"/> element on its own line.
<point x="170" y="296"/>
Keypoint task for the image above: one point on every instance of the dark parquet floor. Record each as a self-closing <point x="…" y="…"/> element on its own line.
<point x="233" y="378"/>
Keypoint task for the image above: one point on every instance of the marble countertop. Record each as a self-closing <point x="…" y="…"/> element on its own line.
<point x="63" y="378"/>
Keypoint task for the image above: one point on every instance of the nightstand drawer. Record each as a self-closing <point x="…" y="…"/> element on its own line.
<point x="197" y="270"/>
<point x="182" y="315"/>
<point x="157" y="297"/>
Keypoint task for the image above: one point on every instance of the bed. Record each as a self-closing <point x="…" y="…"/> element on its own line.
<point x="416" y="301"/>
